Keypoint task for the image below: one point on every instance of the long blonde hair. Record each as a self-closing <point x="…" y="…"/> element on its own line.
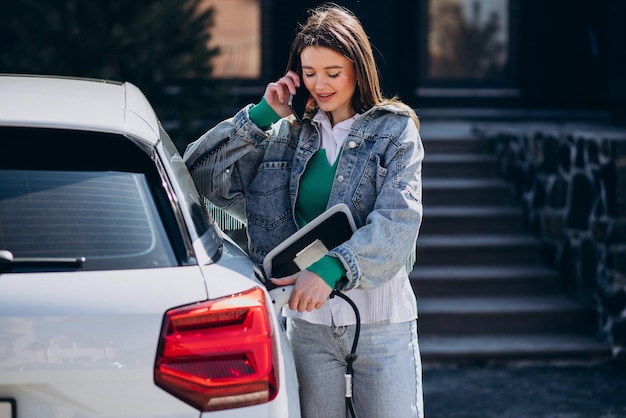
<point x="332" y="26"/>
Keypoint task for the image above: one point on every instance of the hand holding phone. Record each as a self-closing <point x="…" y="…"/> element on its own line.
<point x="298" y="102"/>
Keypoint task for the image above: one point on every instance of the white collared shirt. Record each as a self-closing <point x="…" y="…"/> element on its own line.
<point x="333" y="137"/>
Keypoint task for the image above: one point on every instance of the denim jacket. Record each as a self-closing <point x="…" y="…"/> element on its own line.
<point x="254" y="175"/>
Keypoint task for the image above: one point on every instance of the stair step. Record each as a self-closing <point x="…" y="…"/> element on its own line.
<point x="446" y="349"/>
<point x="469" y="144"/>
<point x="458" y="165"/>
<point x="446" y="250"/>
<point x="469" y="192"/>
<point x="472" y="220"/>
<point x="483" y="280"/>
<point x="503" y="315"/>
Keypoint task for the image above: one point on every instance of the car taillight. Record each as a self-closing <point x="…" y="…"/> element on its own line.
<point x="219" y="354"/>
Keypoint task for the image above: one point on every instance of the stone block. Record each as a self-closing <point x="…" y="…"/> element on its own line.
<point x="557" y="192"/>
<point x="593" y="152"/>
<point x="618" y="331"/>
<point x="583" y="197"/>
<point x="589" y="264"/>
<point x="620" y="189"/>
<point x="552" y="225"/>
<point x="614" y="302"/>
<point x="565" y="158"/>
<point x="616" y="258"/>
<point x="550" y="155"/>
<point x="600" y="229"/>
<point x="617" y="232"/>
<point x="567" y="266"/>
<point x="580" y="160"/>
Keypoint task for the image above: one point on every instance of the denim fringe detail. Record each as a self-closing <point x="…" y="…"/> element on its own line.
<point x="203" y="173"/>
<point x="410" y="262"/>
<point x="225" y="221"/>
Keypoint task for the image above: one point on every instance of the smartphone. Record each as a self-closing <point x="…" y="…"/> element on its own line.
<point x="298" y="102"/>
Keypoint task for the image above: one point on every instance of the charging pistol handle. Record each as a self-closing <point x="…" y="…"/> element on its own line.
<point x="280" y="297"/>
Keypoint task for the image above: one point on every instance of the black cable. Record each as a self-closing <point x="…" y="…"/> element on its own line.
<point x="350" y="358"/>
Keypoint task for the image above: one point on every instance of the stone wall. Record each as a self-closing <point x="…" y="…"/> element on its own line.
<point x="571" y="181"/>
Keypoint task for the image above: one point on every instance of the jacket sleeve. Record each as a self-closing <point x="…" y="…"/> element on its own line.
<point x="223" y="161"/>
<point x="380" y="249"/>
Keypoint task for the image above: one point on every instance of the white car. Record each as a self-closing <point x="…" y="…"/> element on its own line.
<point x="119" y="295"/>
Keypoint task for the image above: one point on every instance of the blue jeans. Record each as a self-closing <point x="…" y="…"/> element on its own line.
<point x="387" y="377"/>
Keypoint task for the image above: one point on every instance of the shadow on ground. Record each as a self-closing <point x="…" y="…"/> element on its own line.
<point x="525" y="391"/>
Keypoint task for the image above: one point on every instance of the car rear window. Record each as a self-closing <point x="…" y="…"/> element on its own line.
<point x="85" y="178"/>
<point x="106" y="217"/>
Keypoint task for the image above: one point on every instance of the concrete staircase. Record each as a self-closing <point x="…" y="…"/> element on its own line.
<point x="483" y="293"/>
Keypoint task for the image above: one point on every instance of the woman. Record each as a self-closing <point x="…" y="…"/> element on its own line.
<point x="276" y="173"/>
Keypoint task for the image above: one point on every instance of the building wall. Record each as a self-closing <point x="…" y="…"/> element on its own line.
<point x="569" y="55"/>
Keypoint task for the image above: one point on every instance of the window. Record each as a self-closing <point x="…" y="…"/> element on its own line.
<point x="469" y="46"/>
<point x="237" y="32"/>
<point x="67" y="194"/>
<point x="467" y="39"/>
<point x="107" y="217"/>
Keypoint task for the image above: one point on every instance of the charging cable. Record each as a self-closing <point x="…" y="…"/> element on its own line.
<point x="350" y="358"/>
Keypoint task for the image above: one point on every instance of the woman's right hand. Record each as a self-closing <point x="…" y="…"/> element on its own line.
<point x="277" y="93"/>
<point x="310" y="290"/>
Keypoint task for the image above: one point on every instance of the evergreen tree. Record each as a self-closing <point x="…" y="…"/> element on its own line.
<point x="159" y="45"/>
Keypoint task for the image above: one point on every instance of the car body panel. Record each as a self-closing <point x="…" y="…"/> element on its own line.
<point x="101" y="106"/>
<point x="87" y="332"/>
<point x="87" y="337"/>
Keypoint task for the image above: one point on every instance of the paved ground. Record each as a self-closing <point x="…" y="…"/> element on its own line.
<point x="525" y="391"/>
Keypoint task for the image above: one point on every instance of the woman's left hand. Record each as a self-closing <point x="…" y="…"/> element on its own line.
<point x="310" y="290"/>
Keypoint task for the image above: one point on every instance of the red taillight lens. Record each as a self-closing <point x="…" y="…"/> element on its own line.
<point x="218" y="354"/>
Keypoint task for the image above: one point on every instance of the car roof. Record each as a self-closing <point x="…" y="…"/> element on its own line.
<point x="77" y="103"/>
